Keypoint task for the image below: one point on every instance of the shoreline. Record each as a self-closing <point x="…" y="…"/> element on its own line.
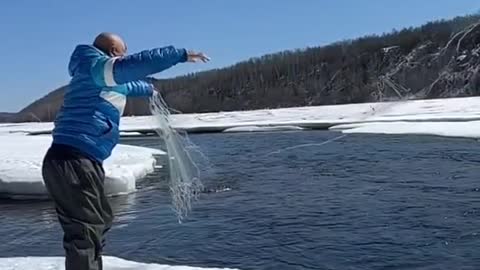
<point x="343" y="118"/>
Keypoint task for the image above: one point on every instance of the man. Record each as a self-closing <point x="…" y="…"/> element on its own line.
<point x="87" y="129"/>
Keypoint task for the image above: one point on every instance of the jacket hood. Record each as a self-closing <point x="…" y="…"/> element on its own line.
<point x="82" y="54"/>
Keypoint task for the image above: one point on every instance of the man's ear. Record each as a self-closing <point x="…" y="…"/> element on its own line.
<point x="117" y="51"/>
<point x="112" y="52"/>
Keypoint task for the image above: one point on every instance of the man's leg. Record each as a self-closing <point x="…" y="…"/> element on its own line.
<point x="75" y="183"/>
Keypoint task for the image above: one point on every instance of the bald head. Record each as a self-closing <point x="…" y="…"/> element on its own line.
<point x="111" y="44"/>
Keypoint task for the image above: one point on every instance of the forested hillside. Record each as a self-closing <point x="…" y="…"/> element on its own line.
<point x="438" y="59"/>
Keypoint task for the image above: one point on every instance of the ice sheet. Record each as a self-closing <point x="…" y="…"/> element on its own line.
<point x="434" y="110"/>
<point x="21" y="159"/>
<point x="262" y="129"/>
<point x="467" y="129"/>
<point x="109" y="263"/>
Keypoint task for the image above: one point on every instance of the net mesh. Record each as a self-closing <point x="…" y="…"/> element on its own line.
<point x="184" y="173"/>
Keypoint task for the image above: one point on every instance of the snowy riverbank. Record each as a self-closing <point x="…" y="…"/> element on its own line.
<point x="365" y="117"/>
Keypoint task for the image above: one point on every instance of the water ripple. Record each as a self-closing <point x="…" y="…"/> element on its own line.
<point x="360" y="202"/>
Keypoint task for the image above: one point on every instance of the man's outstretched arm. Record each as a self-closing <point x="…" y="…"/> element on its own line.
<point x="140" y="65"/>
<point x="120" y="70"/>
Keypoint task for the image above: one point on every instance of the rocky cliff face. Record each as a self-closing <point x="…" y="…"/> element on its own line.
<point x="437" y="72"/>
<point x="436" y="60"/>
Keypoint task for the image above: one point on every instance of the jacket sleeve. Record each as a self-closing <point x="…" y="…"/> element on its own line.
<point x="114" y="71"/>
<point x="139" y="88"/>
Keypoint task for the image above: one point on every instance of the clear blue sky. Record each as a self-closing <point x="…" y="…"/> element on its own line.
<point x="38" y="36"/>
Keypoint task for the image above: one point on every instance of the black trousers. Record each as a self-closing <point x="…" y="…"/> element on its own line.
<point x="75" y="183"/>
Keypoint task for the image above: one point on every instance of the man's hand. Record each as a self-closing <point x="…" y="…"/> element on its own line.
<point x="195" y="57"/>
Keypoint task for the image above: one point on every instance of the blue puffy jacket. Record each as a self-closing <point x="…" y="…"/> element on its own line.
<point x="96" y="95"/>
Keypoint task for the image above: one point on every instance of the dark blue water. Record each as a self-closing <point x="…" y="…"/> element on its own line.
<point x="362" y="202"/>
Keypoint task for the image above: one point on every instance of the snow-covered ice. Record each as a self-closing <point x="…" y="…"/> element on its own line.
<point x="21" y="159"/>
<point x="262" y="129"/>
<point x="468" y="129"/>
<point x="109" y="263"/>
<point x="456" y="117"/>
<point x="434" y="110"/>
